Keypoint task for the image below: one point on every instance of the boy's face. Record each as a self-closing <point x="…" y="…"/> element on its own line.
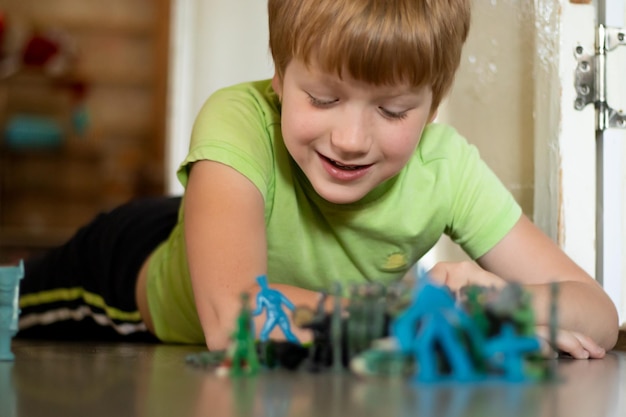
<point x="348" y="136"/>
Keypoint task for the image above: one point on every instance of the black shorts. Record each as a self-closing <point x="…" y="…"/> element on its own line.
<point x="85" y="289"/>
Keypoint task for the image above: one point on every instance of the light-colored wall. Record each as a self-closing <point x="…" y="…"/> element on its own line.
<point x="491" y="102"/>
<point x="215" y="43"/>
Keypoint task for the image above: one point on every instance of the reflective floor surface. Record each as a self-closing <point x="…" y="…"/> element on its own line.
<point x="49" y="379"/>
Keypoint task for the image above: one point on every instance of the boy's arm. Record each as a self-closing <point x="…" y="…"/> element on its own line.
<point x="527" y="256"/>
<point x="226" y="248"/>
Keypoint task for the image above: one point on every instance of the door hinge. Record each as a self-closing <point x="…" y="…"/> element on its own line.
<point x="590" y="77"/>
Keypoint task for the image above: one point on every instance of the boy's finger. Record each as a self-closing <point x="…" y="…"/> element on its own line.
<point x="566" y="343"/>
<point x="595" y="350"/>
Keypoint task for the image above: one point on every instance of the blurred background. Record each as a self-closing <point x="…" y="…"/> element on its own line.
<point x="83" y="99"/>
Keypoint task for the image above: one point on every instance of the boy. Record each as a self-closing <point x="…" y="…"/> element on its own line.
<point x="330" y="171"/>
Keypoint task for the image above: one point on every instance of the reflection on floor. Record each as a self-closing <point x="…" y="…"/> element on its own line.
<point x="49" y="379"/>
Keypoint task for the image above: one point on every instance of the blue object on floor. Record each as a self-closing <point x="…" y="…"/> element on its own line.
<point x="10" y="277"/>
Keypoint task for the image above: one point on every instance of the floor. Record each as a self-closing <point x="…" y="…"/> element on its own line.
<point x="49" y="379"/>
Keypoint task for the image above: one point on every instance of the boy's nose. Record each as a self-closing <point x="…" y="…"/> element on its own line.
<point x="351" y="136"/>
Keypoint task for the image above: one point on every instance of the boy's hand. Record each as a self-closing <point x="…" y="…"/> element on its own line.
<point x="577" y="345"/>
<point x="456" y="275"/>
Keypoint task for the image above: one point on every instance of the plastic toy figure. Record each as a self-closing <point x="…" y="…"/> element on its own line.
<point x="512" y="304"/>
<point x="241" y="356"/>
<point x="337" y="325"/>
<point x="272" y="301"/>
<point x="492" y="340"/>
<point x="367" y="317"/>
<point x="329" y="346"/>
<point x="10" y="277"/>
<point x="383" y="359"/>
<point x="433" y="326"/>
<point x="206" y="359"/>
<point x="473" y="301"/>
<point x="490" y="308"/>
<point x="357" y="324"/>
<point x="320" y="352"/>
<point x="507" y="351"/>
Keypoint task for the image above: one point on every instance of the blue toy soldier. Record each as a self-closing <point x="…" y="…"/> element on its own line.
<point x="507" y="351"/>
<point x="272" y="301"/>
<point x="434" y="320"/>
<point x="10" y="277"/>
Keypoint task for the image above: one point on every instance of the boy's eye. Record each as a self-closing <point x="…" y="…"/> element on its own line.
<point x="318" y="102"/>
<point x="391" y="114"/>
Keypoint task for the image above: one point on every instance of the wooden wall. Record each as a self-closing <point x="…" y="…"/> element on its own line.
<point x="117" y="50"/>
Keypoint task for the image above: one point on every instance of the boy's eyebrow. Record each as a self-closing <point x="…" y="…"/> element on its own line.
<point x="406" y="93"/>
<point x="318" y="75"/>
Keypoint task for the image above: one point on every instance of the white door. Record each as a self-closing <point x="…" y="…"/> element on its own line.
<point x="611" y="157"/>
<point x="584" y="166"/>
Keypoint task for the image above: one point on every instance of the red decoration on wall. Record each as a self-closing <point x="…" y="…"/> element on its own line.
<point x="39" y="50"/>
<point x="3" y="28"/>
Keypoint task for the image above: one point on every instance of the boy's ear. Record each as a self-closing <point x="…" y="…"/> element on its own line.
<point x="277" y="85"/>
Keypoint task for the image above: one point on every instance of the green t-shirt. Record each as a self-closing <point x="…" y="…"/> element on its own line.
<point x="444" y="188"/>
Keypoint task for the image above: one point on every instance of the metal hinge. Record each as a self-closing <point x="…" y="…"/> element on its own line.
<point x="590" y="77"/>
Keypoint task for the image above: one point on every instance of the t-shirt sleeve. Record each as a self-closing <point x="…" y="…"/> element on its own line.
<point x="232" y="128"/>
<point x="483" y="209"/>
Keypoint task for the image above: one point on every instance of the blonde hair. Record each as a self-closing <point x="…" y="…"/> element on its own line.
<point x="382" y="42"/>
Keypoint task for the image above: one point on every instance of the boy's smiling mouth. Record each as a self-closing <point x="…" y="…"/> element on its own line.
<point x="343" y="172"/>
<point x="345" y="167"/>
